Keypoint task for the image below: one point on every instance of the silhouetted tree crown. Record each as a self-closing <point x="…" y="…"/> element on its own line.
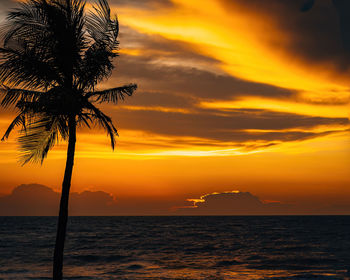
<point x="54" y="53"/>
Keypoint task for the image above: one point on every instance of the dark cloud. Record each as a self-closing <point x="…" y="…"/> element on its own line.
<point x="314" y="36"/>
<point x="244" y="203"/>
<point x="157" y="48"/>
<point x="233" y="203"/>
<point x="6" y="6"/>
<point x="141" y="4"/>
<point x="173" y="66"/>
<point x="193" y="82"/>
<point x="228" y="126"/>
<point x="32" y="200"/>
<point x="153" y="99"/>
<point x="40" y="200"/>
<point x="91" y="203"/>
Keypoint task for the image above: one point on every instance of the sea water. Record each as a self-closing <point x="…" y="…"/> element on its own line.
<point x="215" y="247"/>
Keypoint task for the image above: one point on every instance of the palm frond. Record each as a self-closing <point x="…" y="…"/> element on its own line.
<point x="62" y="126"/>
<point x="95" y="66"/>
<point x="85" y="119"/>
<point x="51" y="32"/>
<point x="101" y="28"/>
<point x="26" y="57"/>
<point x="18" y="120"/>
<point x="27" y="67"/>
<point x="12" y="95"/>
<point x="24" y="22"/>
<point x="102" y="31"/>
<point x="104" y="121"/>
<point x="39" y="137"/>
<point x="52" y="56"/>
<point x="114" y="94"/>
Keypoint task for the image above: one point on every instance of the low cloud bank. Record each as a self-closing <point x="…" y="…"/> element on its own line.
<point x="244" y="203"/>
<point x="40" y="200"/>
<point x="232" y="203"/>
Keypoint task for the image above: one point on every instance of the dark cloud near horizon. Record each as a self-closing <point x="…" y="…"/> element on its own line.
<point x="233" y="203"/>
<point x="40" y="200"/>
<point x="245" y="203"/>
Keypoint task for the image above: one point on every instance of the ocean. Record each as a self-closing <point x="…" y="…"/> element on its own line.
<point x="211" y="247"/>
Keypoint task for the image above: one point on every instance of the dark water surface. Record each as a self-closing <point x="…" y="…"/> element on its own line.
<point x="294" y="247"/>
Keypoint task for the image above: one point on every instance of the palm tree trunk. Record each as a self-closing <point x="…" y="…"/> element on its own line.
<point x="63" y="214"/>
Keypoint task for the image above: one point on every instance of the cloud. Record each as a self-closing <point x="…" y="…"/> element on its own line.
<point x="6" y="5"/>
<point x="315" y="36"/>
<point x="232" y="203"/>
<point x="245" y="203"/>
<point x="229" y="126"/>
<point x="141" y="4"/>
<point x="40" y="200"/>
<point x="161" y="51"/>
<point x="189" y="81"/>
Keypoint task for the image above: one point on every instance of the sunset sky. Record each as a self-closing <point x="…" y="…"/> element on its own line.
<point x="232" y="95"/>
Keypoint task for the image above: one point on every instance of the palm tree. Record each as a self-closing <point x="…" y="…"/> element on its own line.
<point x="54" y="53"/>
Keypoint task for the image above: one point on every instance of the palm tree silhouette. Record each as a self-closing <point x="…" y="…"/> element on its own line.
<point x="54" y="53"/>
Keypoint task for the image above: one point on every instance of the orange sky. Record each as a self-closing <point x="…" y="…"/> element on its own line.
<point x="233" y="95"/>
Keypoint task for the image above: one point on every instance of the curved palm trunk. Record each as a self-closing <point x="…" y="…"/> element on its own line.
<point x="63" y="214"/>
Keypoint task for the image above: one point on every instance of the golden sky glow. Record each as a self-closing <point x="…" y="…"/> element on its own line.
<point x="231" y="38"/>
<point x="229" y="98"/>
<point x="288" y="106"/>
